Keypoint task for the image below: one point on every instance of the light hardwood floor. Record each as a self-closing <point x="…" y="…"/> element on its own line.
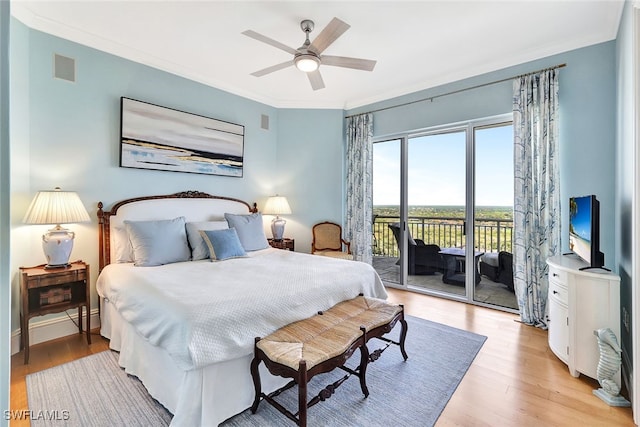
<point x="514" y="380"/>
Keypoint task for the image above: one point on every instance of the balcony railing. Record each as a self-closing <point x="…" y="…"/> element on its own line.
<point x="491" y="235"/>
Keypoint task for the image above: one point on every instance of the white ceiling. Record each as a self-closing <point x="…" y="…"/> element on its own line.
<point x="418" y="44"/>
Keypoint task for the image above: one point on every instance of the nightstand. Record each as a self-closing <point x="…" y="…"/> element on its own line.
<point x="286" y="244"/>
<point x="45" y="291"/>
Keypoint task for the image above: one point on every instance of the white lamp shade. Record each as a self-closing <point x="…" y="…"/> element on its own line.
<point x="56" y="207"/>
<point x="277" y="205"/>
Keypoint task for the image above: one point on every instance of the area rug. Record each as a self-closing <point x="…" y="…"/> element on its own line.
<point x="95" y="391"/>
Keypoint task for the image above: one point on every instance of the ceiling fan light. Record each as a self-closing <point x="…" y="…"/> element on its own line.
<point x="307" y="63"/>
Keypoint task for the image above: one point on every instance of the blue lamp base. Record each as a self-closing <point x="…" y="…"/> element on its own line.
<point x="277" y="228"/>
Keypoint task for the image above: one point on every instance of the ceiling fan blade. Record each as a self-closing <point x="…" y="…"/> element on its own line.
<point x="347" y="62"/>
<point x="273" y="68"/>
<point x="316" y="80"/>
<point x="269" y="41"/>
<point x="329" y="34"/>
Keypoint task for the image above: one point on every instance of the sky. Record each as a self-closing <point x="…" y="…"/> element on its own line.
<point x="437" y="169"/>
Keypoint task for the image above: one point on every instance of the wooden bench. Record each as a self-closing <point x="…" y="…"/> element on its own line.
<point x="322" y="343"/>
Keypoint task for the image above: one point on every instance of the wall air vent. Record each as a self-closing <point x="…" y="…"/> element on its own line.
<point x="64" y="68"/>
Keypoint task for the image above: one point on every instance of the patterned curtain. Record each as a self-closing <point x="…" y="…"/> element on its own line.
<point x="360" y="186"/>
<point x="537" y="190"/>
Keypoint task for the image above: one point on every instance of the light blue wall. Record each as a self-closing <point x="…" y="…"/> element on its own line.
<point x="5" y="253"/>
<point x="625" y="183"/>
<point x="587" y="123"/>
<point x="310" y="169"/>
<point x="75" y="126"/>
<point x="70" y="138"/>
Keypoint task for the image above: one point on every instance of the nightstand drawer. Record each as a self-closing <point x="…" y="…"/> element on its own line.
<point x="56" y="278"/>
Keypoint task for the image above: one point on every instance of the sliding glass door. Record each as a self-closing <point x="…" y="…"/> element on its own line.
<point x="387" y="239"/>
<point x="419" y="211"/>
<point x="429" y="187"/>
<point x="436" y="209"/>
<point x="493" y="214"/>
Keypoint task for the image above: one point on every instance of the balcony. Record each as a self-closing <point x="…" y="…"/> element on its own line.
<point x="491" y="235"/>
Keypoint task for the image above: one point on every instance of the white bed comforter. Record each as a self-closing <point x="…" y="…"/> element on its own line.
<point x="205" y="312"/>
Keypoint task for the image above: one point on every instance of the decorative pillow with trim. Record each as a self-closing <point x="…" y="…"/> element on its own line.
<point x="223" y="244"/>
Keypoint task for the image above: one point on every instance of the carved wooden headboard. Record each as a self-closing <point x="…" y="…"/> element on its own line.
<point x="193" y="205"/>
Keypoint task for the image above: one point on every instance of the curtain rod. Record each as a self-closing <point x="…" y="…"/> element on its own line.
<point x="431" y="98"/>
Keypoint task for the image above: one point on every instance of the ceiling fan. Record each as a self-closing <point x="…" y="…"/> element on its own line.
<point x="308" y="57"/>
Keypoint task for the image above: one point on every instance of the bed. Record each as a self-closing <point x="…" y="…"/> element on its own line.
<point x="185" y="328"/>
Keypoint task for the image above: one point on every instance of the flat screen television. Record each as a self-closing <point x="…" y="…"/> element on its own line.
<point x="584" y="230"/>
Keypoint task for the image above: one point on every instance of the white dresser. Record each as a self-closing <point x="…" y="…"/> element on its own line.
<point x="580" y="302"/>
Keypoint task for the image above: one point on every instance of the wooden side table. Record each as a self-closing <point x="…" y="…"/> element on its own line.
<point x="286" y="244"/>
<point x="45" y="291"/>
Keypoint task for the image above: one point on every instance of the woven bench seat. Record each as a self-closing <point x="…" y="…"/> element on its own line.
<point x="322" y="343"/>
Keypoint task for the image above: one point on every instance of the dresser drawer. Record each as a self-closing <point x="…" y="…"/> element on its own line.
<point x="557" y="275"/>
<point x="558" y="292"/>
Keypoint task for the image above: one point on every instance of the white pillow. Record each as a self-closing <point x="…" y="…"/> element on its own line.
<point x="199" y="249"/>
<point x="250" y="230"/>
<point x="121" y="244"/>
<point x="158" y="242"/>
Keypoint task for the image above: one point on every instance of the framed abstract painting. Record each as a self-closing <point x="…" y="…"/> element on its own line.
<point x="160" y="138"/>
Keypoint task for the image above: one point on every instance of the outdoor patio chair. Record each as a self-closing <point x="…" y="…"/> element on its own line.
<point x="498" y="267"/>
<point x="505" y="275"/>
<point x="423" y="259"/>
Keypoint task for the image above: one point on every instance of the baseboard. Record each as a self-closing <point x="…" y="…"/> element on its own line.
<point x="46" y="330"/>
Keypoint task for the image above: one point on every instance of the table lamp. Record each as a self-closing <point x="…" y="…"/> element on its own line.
<point x="56" y="207"/>
<point x="277" y="205"/>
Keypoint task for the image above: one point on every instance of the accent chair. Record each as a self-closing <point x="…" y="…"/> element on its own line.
<point x="328" y="241"/>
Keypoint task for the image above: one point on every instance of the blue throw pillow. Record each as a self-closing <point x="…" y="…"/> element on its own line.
<point x="223" y="244"/>
<point x="199" y="248"/>
<point x="158" y="242"/>
<point x="250" y="230"/>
